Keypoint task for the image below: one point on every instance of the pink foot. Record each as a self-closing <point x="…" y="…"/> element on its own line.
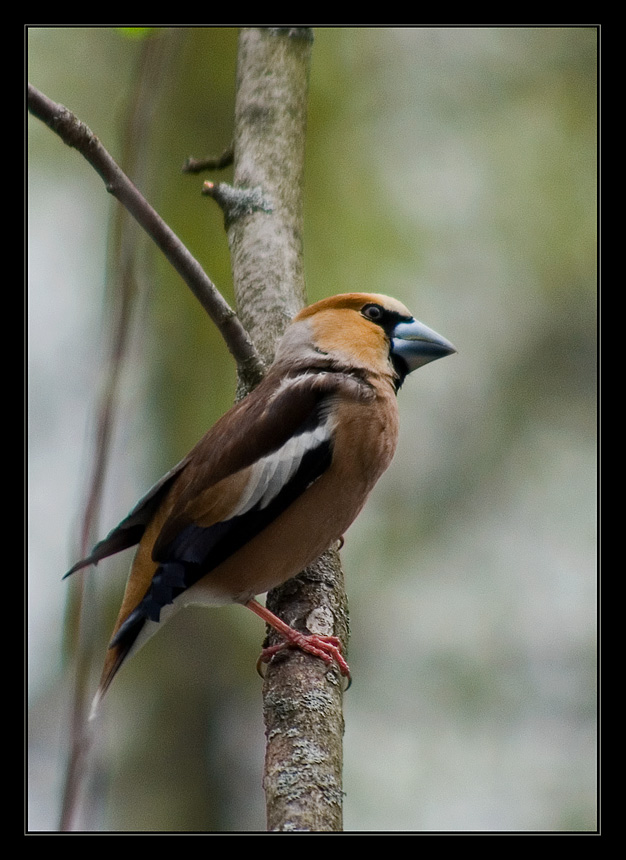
<point x="327" y="648"/>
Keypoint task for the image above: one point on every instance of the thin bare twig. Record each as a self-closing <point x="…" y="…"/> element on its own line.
<point x="122" y="270"/>
<point x="76" y="134"/>
<point x="198" y="165"/>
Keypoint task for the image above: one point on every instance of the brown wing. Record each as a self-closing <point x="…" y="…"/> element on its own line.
<point x="272" y="448"/>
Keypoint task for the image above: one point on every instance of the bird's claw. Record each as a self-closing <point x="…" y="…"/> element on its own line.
<point x="327" y="648"/>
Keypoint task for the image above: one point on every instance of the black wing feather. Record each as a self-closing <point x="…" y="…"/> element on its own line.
<point x="130" y="531"/>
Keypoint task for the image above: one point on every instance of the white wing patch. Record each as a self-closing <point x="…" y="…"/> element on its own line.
<point x="270" y="474"/>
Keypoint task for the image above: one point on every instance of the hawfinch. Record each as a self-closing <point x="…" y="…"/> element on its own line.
<point x="278" y="479"/>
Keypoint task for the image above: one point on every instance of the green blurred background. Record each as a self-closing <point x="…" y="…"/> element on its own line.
<point x="454" y="168"/>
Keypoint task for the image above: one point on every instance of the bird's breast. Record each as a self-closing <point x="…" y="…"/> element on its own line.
<point x="363" y="446"/>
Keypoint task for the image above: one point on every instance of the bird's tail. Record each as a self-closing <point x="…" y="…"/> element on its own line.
<point x="114" y="659"/>
<point x="122" y="643"/>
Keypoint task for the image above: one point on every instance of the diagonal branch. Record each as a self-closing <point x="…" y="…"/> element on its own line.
<point x="76" y="134"/>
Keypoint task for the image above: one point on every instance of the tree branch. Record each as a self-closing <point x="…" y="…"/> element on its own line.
<point x="122" y="253"/>
<point x="302" y="696"/>
<point x="76" y="134"/>
<point x="264" y="220"/>
<point x="198" y="165"/>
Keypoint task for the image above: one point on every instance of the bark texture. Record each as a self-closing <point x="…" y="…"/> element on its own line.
<point x="302" y="696"/>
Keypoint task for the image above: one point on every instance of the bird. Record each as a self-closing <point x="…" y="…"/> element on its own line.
<point x="277" y="479"/>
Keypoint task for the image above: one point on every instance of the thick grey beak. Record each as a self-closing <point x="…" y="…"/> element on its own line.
<point x="416" y="344"/>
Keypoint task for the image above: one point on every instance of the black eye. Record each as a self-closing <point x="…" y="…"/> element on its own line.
<point x="373" y="312"/>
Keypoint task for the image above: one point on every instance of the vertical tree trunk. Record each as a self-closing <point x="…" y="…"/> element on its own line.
<point x="302" y="696"/>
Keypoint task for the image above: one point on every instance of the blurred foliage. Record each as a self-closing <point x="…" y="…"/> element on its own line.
<point x="456" y="169"/>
